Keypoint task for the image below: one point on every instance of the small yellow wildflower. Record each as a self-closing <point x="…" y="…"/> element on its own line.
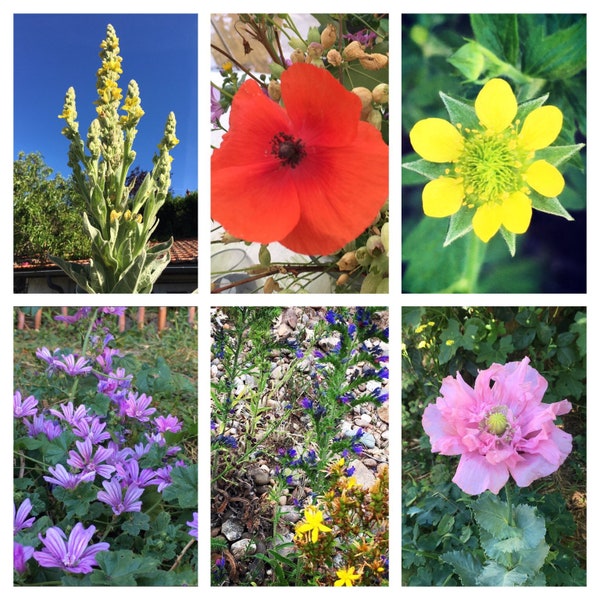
<point x="346" y="577"/>
<point x="227" y="66"/>
<point x="449" y="342"/>
<point x="493" y="166"/>
<point x="314" y="523"/>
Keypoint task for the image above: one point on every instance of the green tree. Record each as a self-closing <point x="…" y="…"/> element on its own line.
<point x="47" y="213"/>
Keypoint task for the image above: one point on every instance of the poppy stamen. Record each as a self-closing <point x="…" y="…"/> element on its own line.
<point x="287" y="149"/>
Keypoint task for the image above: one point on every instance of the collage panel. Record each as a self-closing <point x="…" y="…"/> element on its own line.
<point x="494" y="480"/>
<point x="106" y="174"/>
<point x="105" y="446"/>
<point x="494" y="133"/>
<point x="299" y="163"/>
<point x="299" y="461"/>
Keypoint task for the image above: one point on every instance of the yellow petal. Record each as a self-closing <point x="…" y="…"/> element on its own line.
<point x="442" y="197"/>
<point x="496" y="105"/>
<point x="541" y="127"/>
<point x="436" y="140"/>
<point x="516" y="212"/>
<point x="487" y="221"/>
<point x="545" y="179"/>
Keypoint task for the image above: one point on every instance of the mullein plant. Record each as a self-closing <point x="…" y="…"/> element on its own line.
<point x="119" y="225"/>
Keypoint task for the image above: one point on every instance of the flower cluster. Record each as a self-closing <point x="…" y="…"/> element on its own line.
<point x="118" y="221"/>
<point x="107" y="457"/>
<point x="500" y="427"/>
<point x="347" y="528"/>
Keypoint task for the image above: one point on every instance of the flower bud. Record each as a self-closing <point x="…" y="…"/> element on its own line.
<point x="297" y="56"/>
<point x="370" y="284"/>
<point x="342" y="279"/>
<point x="348" y="262"/>
<point x="375" y="118"/>
<point x="373" y="62"/>
<point x="353" y="50"/>
<point x="297" y="44"/>
<point x="274" y="90"/>
<point x="313" y="35"/>
<point x="314" y="50"/>
<point x="334" y="58"/>
<point x="381" y="93"/>
<point x="385" y="237"/>
<point x="366" y="100"/>
<point x="363" y="258"/>
<point x="276" y="70"/>
<point x="264" y="256"/>
<point x="375" y="245"/>
<point x="328" y="36"/>
<point x="384" y="286"/>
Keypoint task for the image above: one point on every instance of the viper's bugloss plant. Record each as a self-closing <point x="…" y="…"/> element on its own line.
<point x="120" y="225"/>
<point x="105" y="483"/>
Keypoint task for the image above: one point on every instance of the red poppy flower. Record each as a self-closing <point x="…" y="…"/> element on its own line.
<point x="311" y="176"/>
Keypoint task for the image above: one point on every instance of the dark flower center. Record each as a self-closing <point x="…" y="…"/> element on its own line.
<point x="287" y="149"/>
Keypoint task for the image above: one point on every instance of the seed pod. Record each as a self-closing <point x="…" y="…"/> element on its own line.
<point x="381" y="93"/>
<point x="366" y="100"/>
<point x="373" y="62"/>
<point x="297" y="56"/>
<point x="342" y="279"/>
<point x="328" y="36"/>
<point x="353" y="50"/>
<point x="274" y="90"/>
<point x="334" y="58"/>
<point x="348" y="262"/>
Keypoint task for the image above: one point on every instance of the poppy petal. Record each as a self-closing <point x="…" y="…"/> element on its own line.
<point x="487" y="221"/>
<point x="496" y="105"/>
<point x="436" y="140"/>
<point x="516" y="212"/>
<point x="322" y="110"/>
<point x="254" y="203"/>
<point x="341" y="192"/>
<point x="442" y="197"/>
<point x="541" y="127"/>
<point x="545" y="179"/>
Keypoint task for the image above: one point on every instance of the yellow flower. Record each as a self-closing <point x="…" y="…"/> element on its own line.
<point x="314" y="523"/>
<point x="493" y="167"/>
<point x="346" y="577"/>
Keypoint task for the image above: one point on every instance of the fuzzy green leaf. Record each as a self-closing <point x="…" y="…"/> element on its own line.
<point x="494" y="574"/>
<point x="551" y="206"/>
<point x="427" y="169"/>
<point x="460" y="112"/>
<point x="461" y="223"/>
<point x="498" y="33"/>
<point x="466" y="566"/>
<point x="558" y="155"/>
<point x="184" y="488"/>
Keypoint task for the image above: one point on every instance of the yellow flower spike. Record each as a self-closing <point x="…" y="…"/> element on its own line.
<point x="516" y="212"/>
<point x="436" y="140"/>
<point x="443" y="197"/>
<point x="545" y="179"/>
<point x="496" y="105"/>
<point x="541" y="127"/>
<point x="346" y="577"/>
<point x="487" y="221"/>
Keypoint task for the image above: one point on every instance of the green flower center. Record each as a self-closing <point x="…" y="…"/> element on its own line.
<point x="496" y="423"/>
<point x="491" y="165"/>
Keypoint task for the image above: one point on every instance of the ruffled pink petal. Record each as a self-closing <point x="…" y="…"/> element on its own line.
<point x="475" y="474"/>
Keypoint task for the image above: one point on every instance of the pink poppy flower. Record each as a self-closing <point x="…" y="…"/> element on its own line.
<point x="500" y="430"/>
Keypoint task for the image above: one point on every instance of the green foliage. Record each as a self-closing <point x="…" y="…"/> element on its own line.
<point x="441" y="543"/>
<point x="46" y="212"/>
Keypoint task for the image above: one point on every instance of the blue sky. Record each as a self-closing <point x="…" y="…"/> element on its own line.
<point x="55" y="51"/>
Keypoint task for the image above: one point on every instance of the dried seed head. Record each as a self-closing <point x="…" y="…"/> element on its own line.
<point x="328" y="36"/>
<point x="353" y="50"/>
<point x="334" y="58"/>
<point x="373" y="62"/>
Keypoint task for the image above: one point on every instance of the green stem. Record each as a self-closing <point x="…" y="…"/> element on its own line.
<point x="509" y="503"/>
<point x="86" y="341"/>
<point x="474" y="259"/>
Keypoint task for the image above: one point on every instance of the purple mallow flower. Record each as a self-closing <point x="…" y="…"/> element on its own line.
<point x="193" y="525"/>
<point x="119" y="502"/>
<point x="216" y="110"/>
<point x="130" y="474"/>
<point x="20" y="520"/>
<point x="136" y="407"/>
<point x="24" y="408"/>
<point x="72" y="366"/>
<point x="69" y="481"/>
<point x="88" y="462"/>
<point x="40" y="424"/>
<point x="21" y="554"/>
<point x="364" y="37"/>
<point x="92" y="429"/>
<point x="74" y="556"/>
<point x="168" y="423"/>
<point x="69" y="414"/>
